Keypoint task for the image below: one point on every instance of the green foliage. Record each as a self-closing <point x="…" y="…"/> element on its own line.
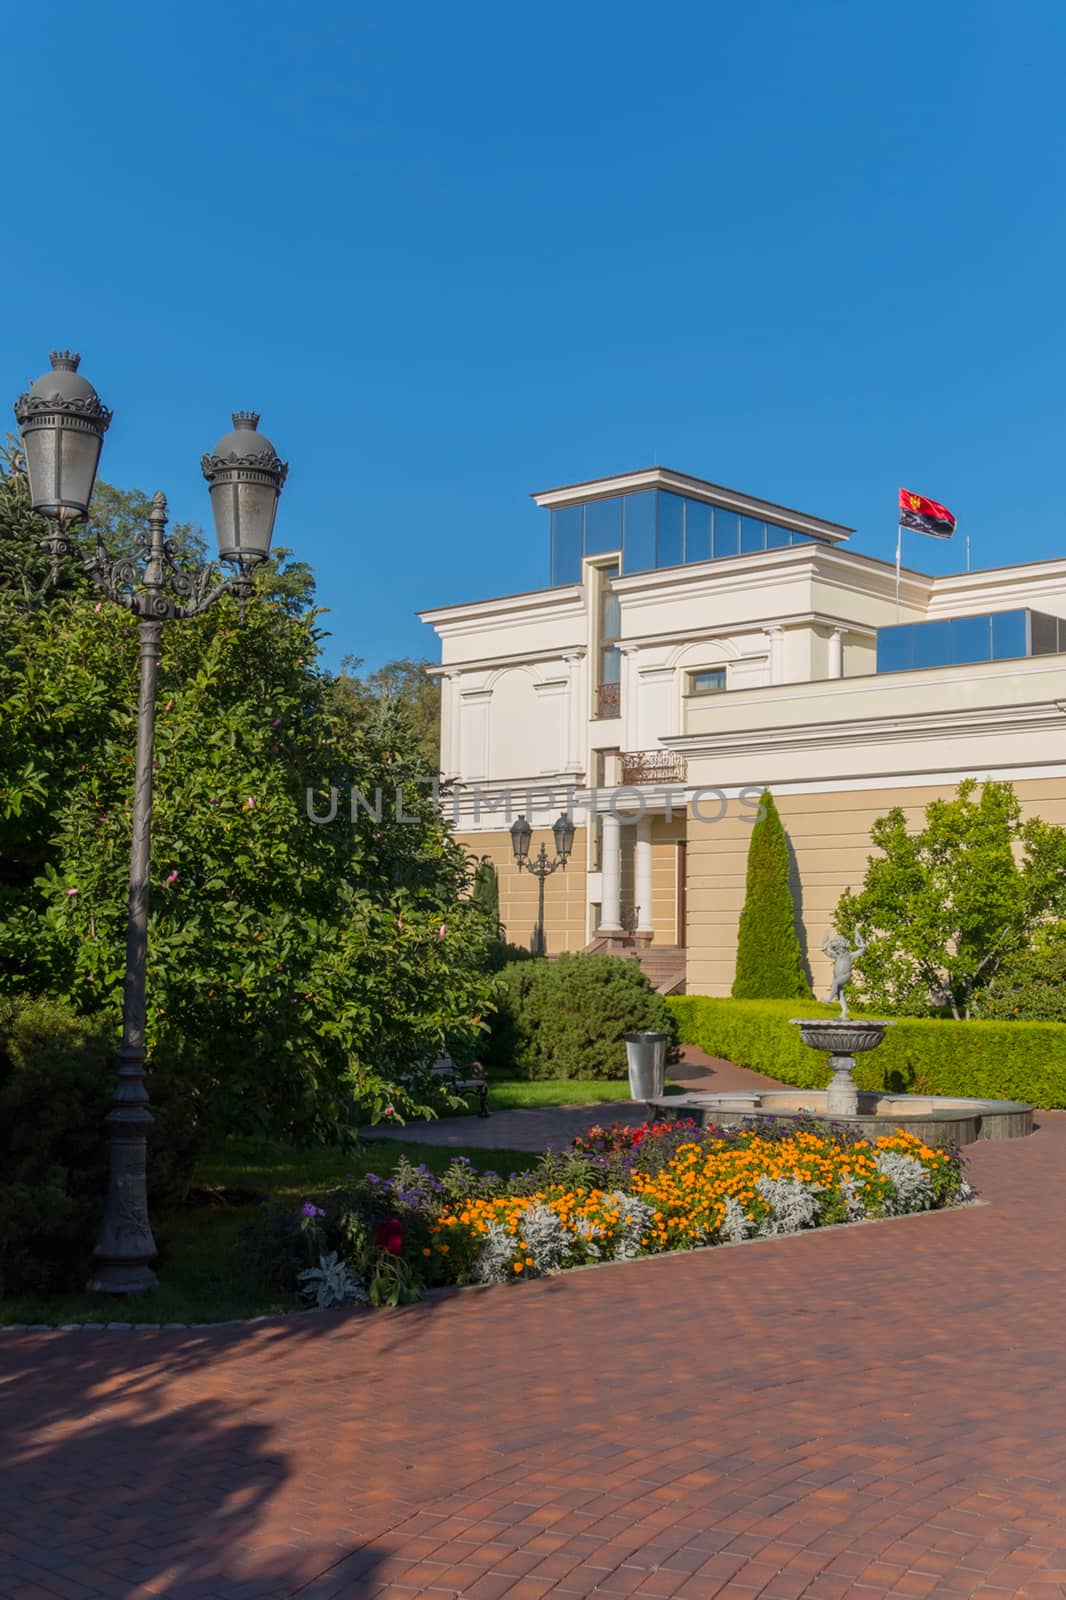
<point x="565" y="1018"/>
<point x="486" y="892"/>
<point x="943" y="908"/>
<point x="1031" y="984"/>
<point x="57" y="1072"/>
<point x="769" y="958"/>
<point x="402" y="683"/>
<point x="982" y="1060"/>
<point x="296" y="968"/>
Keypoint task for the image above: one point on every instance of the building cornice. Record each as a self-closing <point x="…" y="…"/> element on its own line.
<point x="518" y="658"/>
<point x="532" y="602"/>
<point x="695" y="489"/>
<point x="914" y="727"/>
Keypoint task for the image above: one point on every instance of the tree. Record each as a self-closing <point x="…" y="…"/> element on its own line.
<point x="404" y="682"/>
<point x="942" y="909"/>
<point x="486" y="892"/>
<point x="769" y="959"/>
<point x="299" y="969"/>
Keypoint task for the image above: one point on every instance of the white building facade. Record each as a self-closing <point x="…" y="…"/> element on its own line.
<point x="697" y="645"/>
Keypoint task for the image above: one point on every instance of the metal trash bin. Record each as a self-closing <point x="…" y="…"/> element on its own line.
<point x="646" y="1053"/>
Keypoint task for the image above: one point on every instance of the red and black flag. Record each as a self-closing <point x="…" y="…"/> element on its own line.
<point x="925" y="516"/>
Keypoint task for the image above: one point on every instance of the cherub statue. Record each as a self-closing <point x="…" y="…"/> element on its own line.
<point x="842" y="955"/>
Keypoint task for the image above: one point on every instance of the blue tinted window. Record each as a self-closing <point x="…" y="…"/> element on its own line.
<point x="932" y="644"/>
<point x="670" y="542"/>
<point x="638" y="534"/>
<point x="777" y="538"/>
<point x="971" y="639"/>
<point x="566" y="544"/>
<point x="610" y="664"/>
<point x="726" y="533"/>
<point x="603" y="526"/>
<point x="1009" y="635"/>
<point x="752" y="535"/>
<point x="697" y="531"/>
<point x="895" y="649"/>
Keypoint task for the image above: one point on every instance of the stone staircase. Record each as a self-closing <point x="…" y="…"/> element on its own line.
<point x="662" y="964"/>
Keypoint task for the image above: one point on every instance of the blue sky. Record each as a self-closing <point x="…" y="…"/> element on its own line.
<point x="455" y="254"/>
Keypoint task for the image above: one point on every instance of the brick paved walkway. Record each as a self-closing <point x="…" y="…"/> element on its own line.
<point x="537" y="1128"/>
<point x="861" y="1412"/>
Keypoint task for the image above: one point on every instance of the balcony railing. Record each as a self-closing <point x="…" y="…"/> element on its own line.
<point x="653" y="766"/>
<point x="608" y="700"/>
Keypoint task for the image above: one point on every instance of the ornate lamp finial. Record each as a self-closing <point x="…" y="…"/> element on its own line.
<point x="64" y="360"/>
<point x="246" y="419"/>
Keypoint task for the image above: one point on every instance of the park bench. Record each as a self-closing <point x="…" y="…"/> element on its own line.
<point x="464" y="1080"/>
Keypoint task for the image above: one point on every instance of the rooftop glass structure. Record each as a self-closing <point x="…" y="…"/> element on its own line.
<point x="959" y="641"/>
<point x="655" y="528"/>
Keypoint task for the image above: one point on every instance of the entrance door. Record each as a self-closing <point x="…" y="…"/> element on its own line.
<point x="681" y="895"/>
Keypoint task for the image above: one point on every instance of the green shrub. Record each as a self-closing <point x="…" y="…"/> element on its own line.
<point x="57" y="1073"/>
<point x="500" y="954"/>
<point x="920" y="1055"/>
<point x="769" y="958"/>
<point x="565" y="1018"/>
<point x="1031" y="985"/>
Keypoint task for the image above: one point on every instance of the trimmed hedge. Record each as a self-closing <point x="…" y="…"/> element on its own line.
<point x="982" y="1060"/>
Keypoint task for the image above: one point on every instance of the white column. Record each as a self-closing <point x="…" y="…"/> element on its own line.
<point x="628" y="691"/>
<point x="611" y="873"/>
<point x="451" y="680"/>
<point x="836" y="653"/>
<point x="575" y="714"/>
<point x="776" y="636"/>
<point x="642" y="850"/>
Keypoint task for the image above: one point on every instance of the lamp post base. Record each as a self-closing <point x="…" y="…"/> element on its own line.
<point x="111" y="1277"/>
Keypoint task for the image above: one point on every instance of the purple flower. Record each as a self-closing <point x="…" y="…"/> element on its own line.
<point x="310" y="1210"/>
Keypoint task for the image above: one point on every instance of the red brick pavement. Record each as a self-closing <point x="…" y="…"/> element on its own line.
<point x="860" y="1412"/>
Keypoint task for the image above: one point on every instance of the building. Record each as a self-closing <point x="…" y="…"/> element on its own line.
<point x="695" y="646"/>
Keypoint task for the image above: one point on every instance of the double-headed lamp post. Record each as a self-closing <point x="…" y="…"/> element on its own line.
<point x="541" y="865"/>
<point x="62" y="422"/>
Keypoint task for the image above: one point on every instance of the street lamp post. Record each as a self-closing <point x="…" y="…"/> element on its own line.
<point x="62" y="422"/>
<point x="541" y="866"/>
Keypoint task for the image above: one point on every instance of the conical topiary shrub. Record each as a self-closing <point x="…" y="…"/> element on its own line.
<point x="769" y="959"/>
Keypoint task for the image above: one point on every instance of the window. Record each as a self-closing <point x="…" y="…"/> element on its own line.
<point x="958" y="641"/>
<point x="609" y="661"/>
<point x="656" y="528"/>
<point x="603" y="526"/>
<point x="709" y="680"/>
<point x="670" y="541"/>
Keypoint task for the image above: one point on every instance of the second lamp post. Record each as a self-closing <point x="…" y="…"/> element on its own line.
<point x="542" y="865"/>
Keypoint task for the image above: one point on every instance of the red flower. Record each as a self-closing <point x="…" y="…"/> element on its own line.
<point x="388" y="1235"/>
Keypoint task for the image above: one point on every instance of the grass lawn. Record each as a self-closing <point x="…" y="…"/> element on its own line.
<point x="516" y="1094"/>
<point x="202" y="1275"/>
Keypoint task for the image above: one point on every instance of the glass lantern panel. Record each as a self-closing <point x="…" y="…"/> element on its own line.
<point x="78" y="460"/>
<point x="256" y="505"/>
<point x="40" y="447"/>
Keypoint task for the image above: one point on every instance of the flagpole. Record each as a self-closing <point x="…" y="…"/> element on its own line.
<point x="967" y="552"/>
<point x="899" y="546"/>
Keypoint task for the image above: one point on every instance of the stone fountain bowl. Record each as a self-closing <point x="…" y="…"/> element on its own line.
<point x="839" y="1036"/>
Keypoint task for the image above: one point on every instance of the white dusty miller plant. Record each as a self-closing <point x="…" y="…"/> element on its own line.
<point x="912" y="1183"/>
<point x="551" y="1244"/>
<point x="793" y="1205"/>
<point x="851" y="1190"/>
<point x="736" y="1225"/>
<point x="331" y="1283"/>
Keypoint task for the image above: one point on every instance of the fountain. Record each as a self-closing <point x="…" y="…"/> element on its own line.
<point x="937" y="1119"/>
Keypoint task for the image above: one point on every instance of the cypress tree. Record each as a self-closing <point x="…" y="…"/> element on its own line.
<point x="486" y="892"/>
<point x="769" y="958"/>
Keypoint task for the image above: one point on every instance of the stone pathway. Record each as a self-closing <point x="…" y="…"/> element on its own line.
<point x="555" y="1126"/>
<point x="861" y="1412"/>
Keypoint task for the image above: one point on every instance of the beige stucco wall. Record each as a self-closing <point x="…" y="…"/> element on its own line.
<point x="830" y="836"/>
<point x="564" y="891"/>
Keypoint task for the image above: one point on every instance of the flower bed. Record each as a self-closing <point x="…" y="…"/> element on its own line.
<point x="614" y="1194"/>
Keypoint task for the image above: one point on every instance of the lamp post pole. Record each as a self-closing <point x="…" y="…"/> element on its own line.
<point x="542" y="865"/>
<point x="62" y="423"/>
